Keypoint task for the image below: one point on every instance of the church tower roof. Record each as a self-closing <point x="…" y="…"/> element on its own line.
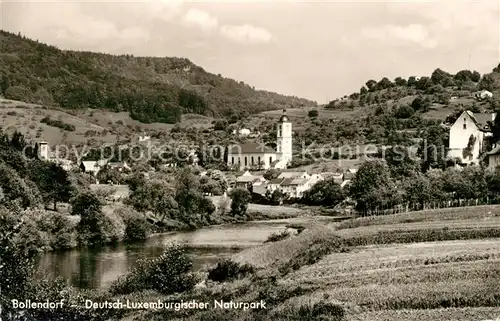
<point x="284" y="118"/>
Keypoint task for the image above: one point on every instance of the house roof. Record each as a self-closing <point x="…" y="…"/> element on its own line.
<point x="291" y="174"/>
<point x="287" y="182"/>
<point x="250" y="148"/>
<point x="93" y="164"/>
<point x="277" y="181"/>
<point x="247" y="177"/>
<point x="299" y="181"/>
<point x="494" y="151"/>
<point x="481" y="119"/>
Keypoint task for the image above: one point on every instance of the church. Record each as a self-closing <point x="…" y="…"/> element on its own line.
<point x="259" y="156"/>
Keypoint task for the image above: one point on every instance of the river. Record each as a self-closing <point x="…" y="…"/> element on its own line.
<point x="91" y="269"/>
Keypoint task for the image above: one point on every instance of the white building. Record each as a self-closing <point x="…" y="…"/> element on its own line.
<point x="483" y="94"/>
<point x="259" y="156"/>
<point x="294" y="184"/>
<point x="467" y="136"/>
<point x="93" y="167"/>
<point x="242" y="132"/>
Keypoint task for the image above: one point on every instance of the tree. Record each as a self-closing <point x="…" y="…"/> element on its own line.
<point x="384" y="83"/>
<point x="53" y="182"/>
<point x="440" y="77"/>
<point x="17" y="93"/>
<point x="417" y="189"/>
<point x="372" y="187"/>
<point x="370" y="84"/>
<point x="432" y="149"/>
<point x="363" y="90"/>
<point x="412" y="81"/>
<point x="17" y="260"/>
<point x="404" y="112"/>
<point x="271" y="174"/>
<point x="4" y="83"/>
<point x="107" y="174"/>
<point x="16" y="188"/>
<point x="219" y="180"/>
<point x="476" y="76"/>
<point x="276" y="197"/>
<point x="326" y="193"/>
<point x="421" y="103"/>
<point x="94" y="226"/>
<point x="463" y="76"/>
<point x="423" y="83"/>
<point x="239" y="201"/>
<point x="312" y="113"/>
<point x="492" y="179"/>
<point x="155" y="196"/>
<point x="221" y="125"/>
<point x="194" y="208"/>
<point x="85" y="203"/>
<point x="400" y="81"/>
<point x="487" y="83"/>
<point x="400" y="162"/>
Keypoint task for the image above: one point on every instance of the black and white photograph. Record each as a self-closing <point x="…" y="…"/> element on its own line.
<point x="249" y="160"/>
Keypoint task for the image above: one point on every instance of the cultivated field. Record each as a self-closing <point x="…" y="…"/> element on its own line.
<point x="396" y="276"/>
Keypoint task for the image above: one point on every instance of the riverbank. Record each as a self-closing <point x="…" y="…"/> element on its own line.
<point x="96" y="268"/>
<point x="119" y="224"/>
<point x="361" y="269"/>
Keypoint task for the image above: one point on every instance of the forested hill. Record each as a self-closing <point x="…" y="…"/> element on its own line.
<point x="151" y="89"/>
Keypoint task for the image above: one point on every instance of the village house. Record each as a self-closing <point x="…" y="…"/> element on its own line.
<point x="483" y="94"/>
<point x="248" y="181"/>
<point x="337" y="177"/>
<point x="120" y="166"/>
<point x="294" y="184"/>
<point x="255" y="155"/>
<point x="493" y="158"/>
<point x="467" y="136"/>
<point x="92" y="167"/>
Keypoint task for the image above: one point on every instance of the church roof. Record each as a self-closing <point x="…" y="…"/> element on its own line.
<point x="250" y="148"/>
<point x="284" y="119"/>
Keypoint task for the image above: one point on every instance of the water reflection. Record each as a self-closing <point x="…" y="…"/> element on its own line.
<point x="96" y="268"/>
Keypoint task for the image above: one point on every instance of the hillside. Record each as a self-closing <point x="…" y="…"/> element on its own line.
<point x="384" y="109"/>
<point x="150" y="89"/>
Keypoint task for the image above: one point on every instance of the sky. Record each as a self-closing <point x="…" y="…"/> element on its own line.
<point x="319" y="50"/>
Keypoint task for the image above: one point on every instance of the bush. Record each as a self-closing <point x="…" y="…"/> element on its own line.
<point x="319" y="311"/>
<point x="312" y="114"/>
<point x="168" y="274"/>
<point x="57" y="123"/>
<point x="136" y="229"/>
<point x="275" y="237"/>
<point x="228" y="270"/>
<point x="404" y="112"/>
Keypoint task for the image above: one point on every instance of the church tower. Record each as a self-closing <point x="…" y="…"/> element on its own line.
<point x="284" y="138"/>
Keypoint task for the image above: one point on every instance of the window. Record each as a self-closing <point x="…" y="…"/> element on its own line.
<point x="232" y="160"/>
<point x="465" y="119"/>
<point x="246" y="161"/>
<point x="252" y="160"/>
<point x="258" y="160"/>
<point x="270" y="160"/>
<point x="465" y="126"/>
